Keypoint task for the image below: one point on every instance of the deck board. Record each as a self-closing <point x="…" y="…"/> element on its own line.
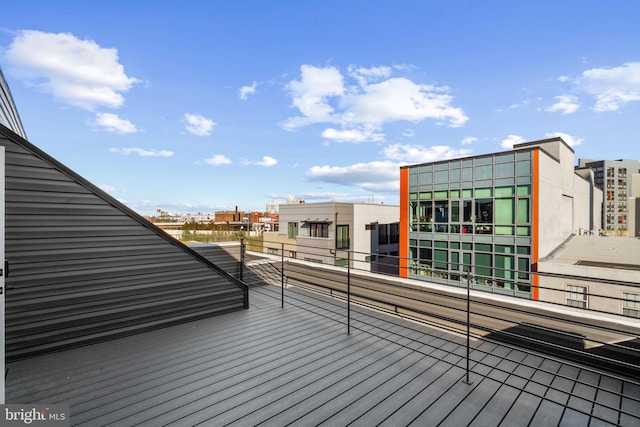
<point x="297" y="365"/>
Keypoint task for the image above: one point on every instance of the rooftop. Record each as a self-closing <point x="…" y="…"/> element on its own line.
<point x="297" y="365"/>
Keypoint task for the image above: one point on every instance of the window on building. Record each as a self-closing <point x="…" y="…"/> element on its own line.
<point x="319" y="229"/>
<point x="576" y="296"/>
<point x="292" y="230"/>
<point x="484" y="210"/>
<point x="631" y="304"/>
<point x="394" y="233"/>
<point x="342" y="236"/>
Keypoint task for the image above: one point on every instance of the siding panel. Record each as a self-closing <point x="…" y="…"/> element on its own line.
<point x="85" y="268"/>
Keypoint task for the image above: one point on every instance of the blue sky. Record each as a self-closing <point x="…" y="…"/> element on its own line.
<point x="199" y="106"/>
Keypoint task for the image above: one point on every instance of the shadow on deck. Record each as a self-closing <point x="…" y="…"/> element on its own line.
<point x="297" y="365"/>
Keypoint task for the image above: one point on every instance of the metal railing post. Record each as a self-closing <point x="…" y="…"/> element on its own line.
<point x="282" y="276"/>
<point x="467" y="381"/>
<point x="348" y="293"/>
<point x="242" y="249"/>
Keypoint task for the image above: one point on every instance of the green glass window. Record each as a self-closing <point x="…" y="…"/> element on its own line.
<point x="524" y="250"/>
<point x="440" y="244"/>
<point x="413" y="242"/>
<point x="440" y="257"/>
<point x="483" y="192"/>
<point x="524" y="190"/>
<point x="467" y="174"/>
<point x="503" y="170"/>
<point x="483" y="247"/>
<point x="483" y="264"/>
<point x="524" y="167"/>
<point x="466" y="260"/>
<point x="523" y="211"/>
<point x="454" y="245"/>
<point x="455" y="211"/>
<point x="523" y="268"/>
<point x="425" y="243"/>
<point x="523" y="231"/>
<point x="467" y="193"/>
<point x="426" y="195"/>
<point x="439" y="195"/>
<point x="504" y="266"/>
<point x="504" y="211"/>
<point x="505" y="191"/>
<point x="466" y="246"/>
<point x="504" y="249"/>
<point x="484" y="172"/>
<point x="441" y="177"/>
<point x="484" y="161"/>
<point x="455" y="194"/>
<point x="426" y="178"/>
<point x="503" y="230"/>
<point x="455" y="259"/>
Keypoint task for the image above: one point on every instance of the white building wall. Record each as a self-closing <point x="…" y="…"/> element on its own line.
<point x="355" y="215"/>
<point x="364" y="214"/>
<point x="565" y="204"/>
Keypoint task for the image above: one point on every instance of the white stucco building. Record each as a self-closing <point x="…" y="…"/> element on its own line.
<point x="324" y="232"/>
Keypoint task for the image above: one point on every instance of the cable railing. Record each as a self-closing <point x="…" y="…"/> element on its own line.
<point x="595" y="337"/>
<point x="478" y="356"/>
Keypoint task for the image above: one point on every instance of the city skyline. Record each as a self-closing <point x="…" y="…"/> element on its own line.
<point x="210" y="106"/>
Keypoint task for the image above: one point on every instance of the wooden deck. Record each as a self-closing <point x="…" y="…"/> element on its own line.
<point x="297" y="365"/>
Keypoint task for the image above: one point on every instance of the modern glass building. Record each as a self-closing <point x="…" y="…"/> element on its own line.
<point x="491" y="217"/>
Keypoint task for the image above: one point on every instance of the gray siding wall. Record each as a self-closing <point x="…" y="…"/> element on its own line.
<point x="84" y="268"/>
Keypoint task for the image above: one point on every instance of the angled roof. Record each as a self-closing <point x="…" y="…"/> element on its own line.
<point x="83" y="267"/>
<point x="8" y="112"/>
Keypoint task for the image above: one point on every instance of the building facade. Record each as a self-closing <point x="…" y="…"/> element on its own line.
<point x="595" y="273"/>
<point x="330" y="232"/>
<point x="489" y="218"/>
<point x="614" y="178"/>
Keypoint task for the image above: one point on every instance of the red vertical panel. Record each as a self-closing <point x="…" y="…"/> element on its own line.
<point x="404" y="222"/>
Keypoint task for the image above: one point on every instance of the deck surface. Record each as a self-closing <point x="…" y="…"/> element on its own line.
<point x="298" y="366"/>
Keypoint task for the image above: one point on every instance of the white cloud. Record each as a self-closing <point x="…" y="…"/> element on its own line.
<point x="310" y="95"/>
<point x="266" y="162"/>
<point x="352" y="135"/>
<point x="468" y="140"/>
<point x="245" y="91"/>
<point x="612" y="87"/>
<point x="76" y="72"/>
<point x="382" y="176"/>
<point x="142" y="152"/>
<point x="217" y="160"/>
<point x="569" y="139"/>
<point x="367" y="75"/>
<point x="113" y="123"/>
<point x="421" y="154"/>
<point x="372" y="176"/>
<point x="565" y="104"/>
<point x="198" y="125"/>
<point x="511" y="140"/>
<point x="377" y="98"/>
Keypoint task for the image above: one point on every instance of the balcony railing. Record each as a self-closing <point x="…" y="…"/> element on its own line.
<point x="480" y="305"/>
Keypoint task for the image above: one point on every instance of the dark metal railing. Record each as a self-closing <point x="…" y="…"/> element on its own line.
<point x="597" y="340"/>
